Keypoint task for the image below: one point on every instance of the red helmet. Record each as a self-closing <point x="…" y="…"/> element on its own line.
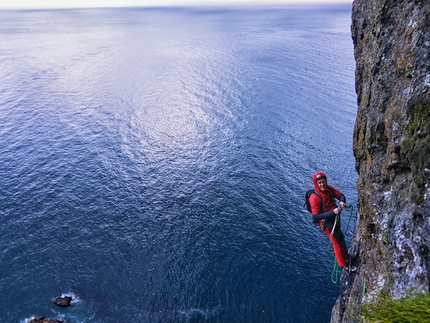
<point x="319" y="175"/>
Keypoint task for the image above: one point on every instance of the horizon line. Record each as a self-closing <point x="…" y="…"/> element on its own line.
<point x="73" y="4"/>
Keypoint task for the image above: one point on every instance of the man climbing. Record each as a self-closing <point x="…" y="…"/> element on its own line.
<point x="326" y="214"/>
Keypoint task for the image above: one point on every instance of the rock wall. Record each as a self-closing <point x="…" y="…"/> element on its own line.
<point x="391" y="145"/>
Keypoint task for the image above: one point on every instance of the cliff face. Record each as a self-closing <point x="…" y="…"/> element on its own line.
<point x="392" y="149"/>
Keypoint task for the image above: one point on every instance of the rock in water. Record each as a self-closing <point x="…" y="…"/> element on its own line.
<point x="42" y="319"/>
<point x="63" y="301"/>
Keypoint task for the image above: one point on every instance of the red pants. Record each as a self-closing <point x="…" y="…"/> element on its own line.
<point x="338" y="240"/>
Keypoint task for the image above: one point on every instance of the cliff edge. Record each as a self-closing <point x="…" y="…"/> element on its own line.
<point x="391" y="146"/>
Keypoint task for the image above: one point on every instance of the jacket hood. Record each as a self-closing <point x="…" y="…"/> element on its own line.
<point x="318" y="176"/>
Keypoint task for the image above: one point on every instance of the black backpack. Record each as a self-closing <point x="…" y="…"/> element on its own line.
<point x="308" y="194"/>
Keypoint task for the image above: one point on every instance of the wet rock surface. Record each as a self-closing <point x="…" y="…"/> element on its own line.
<point x="63" y="301"/>
<point x="43" y="319"/>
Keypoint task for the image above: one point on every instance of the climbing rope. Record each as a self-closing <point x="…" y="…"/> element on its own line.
<point x="336" y="271"/>
<point x="364" y="287"/>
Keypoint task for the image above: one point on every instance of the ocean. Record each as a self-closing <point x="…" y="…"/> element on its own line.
<point x="154" y="161"/>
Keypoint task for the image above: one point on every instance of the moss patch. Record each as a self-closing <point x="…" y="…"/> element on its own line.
<point x="414" y="309"/>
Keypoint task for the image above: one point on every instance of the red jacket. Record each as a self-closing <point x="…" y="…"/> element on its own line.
<point x="329" y="204"/>
<point x="328" y="198"/>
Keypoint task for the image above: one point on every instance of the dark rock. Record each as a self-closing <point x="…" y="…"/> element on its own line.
<point x="43" y="319"/>
<point x="63" y="301"/>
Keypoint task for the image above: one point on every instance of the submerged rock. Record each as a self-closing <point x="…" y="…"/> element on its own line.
<point x="63" y="301"/>
<point x="43" y="319"/>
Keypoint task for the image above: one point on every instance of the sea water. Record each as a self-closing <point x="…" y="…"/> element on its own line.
<point x="154" y="161"/>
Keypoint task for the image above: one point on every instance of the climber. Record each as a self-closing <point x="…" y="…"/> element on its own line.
<point x="326" y="214"/>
